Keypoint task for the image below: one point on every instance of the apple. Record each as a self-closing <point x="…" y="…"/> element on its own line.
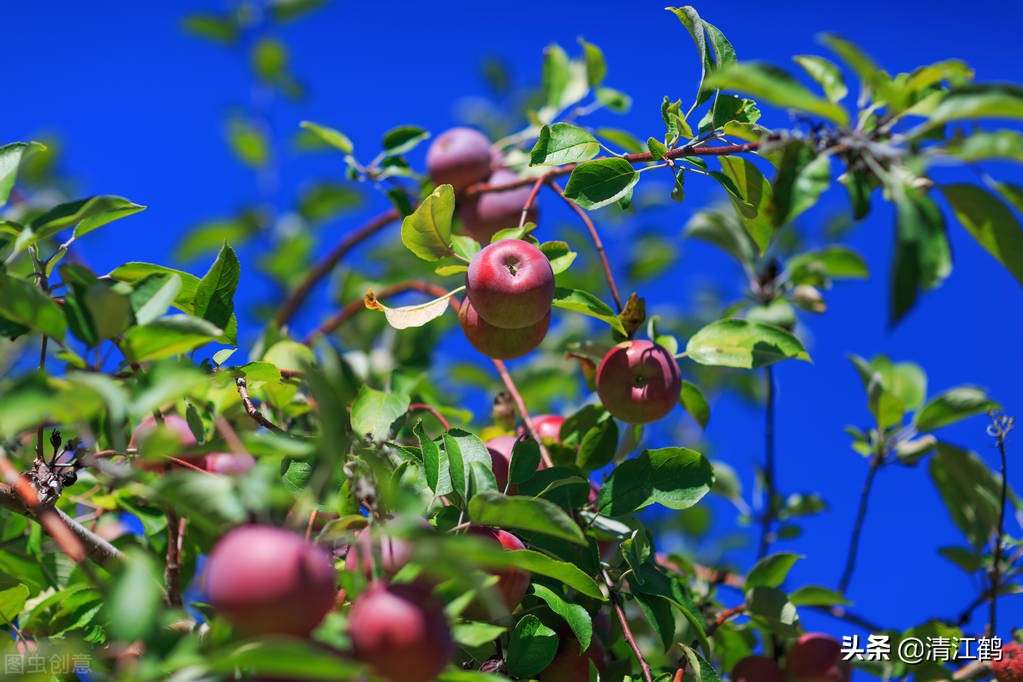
<point x="486" y="214"/>
<point x="498" y="343"/>
<point x="757" y="668"/>
<point x="401" y="632"/>
<point x="512" y="583"/>
<point x="229" y="463"/>
<point x="500" y="449"/>
<point x="816" y="657"/>
<point x="510" y="283"/>
<point x="572" y="665"/>
<point x="176" y="425"/>
<point x="638" y="382"/>
<point x="1010" y="667"/>
<point x="548" y="426"/>
<point x="459" y="157"/>
<point x="268" y="580"/>
<point x="394" y="553"/>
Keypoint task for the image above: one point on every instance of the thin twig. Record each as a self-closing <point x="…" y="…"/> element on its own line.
<point x="520" y="404"/>
<point x="229" y="435"/>
<point x="346" y="313"/>
<point x="770" y="485"/>
<point x="540" y="181"/>
<point x="723" y="618"/>
<point x="999" y="430"/>
<point x="861" y="514"/>
<point x="616" y="602"/>
<point x="252" y="409"/>
<point x="432" y="410"/>
<point x="172" y="569"/>
<point x="596" y="242"/>
<point x="323" y="268"/>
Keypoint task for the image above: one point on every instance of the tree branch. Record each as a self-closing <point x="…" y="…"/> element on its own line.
<point x="520" y="404"/>
<point x="616" y="602"/>
<point x="770" y="486"/>
<point x="861" y="514"/>
<point x="999" y="429"/>
<point x="251" y="409"/>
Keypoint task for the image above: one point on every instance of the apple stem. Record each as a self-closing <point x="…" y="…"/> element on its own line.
<point x="540" y="182"/>
<point x="616" y="602"/>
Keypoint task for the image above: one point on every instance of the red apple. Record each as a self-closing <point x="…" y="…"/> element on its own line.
<point x="757" y="668"/>
<point x="1010" y="667"/>
<point x="572" y="665"/>
<point x="229" y="463"/>
<point x="401" y="632"/>
<point x="500" y="449"/>
<point x="638" y="382"/>
<point x="459" y="157"/>
<point x="501" y="344"/>
<point x="816" y="657"/>
<point x="176" y="425"/>
<point x="512" y="583"/>
<point x="510" y="284"/>
<point x="486" y="214"/>
<point x="394" y="553"/>
<point x="548" y="426"/>
<point x="268" y="580"/>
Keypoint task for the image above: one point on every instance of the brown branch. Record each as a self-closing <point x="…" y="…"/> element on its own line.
<point x="520" y="404"/>
<point x="770" y="485"/>
<point x="596" y="242"/>
<point x="251" y="409"/>
<point x="343" y="315"/>
<point x="723" y="618"/>
<point x="540" y="182"/>
<point x="854" y="540"/>
<point x="172" y="569"/>
<point x="561" y="171"/>
<point x="432" y="410"/>
<point x="999" y="429"/>
<point x="616" y="602"/>
<point x="323" y="268"/>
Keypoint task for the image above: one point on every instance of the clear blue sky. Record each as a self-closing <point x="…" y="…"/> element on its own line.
<point x="139" y="107"/>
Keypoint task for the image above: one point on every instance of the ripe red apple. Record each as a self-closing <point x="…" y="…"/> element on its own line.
<point x="498" y="343"/>
<point x="638" y="382"/>
<point x="401" y="632"/>
<point x="459" y="157"/>
<point x="394" y="553"/>
<point x="510" y="284"/>
<point x="500" y="449"/>
<point x="512" y="583"/>
<point x="229" y="463"/>
<point x="179" y="427"/>
<point x="572" y="665"/>
<point x="757" y="668"/>
<point x="548" y="426"/>
<point x="816" y="657"/>
<point x="1010" y="667"/>
<point x="485" y="214"/>
<point x="268" y="580"/>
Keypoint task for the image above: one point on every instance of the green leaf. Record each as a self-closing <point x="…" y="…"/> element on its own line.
<point x="135" y="272"/>
<point x="964" y="557"/>
<point x="214" y="295"/>
<point x="153" y="295"/>
<point x="615" y="100"/>
<point x="373" y="412"/>
<point x="690" y="18"/>
<point x="563" y="143"/>
<point x="491" y="508"/>
<point x="284" y="657"/>
<point x="269" y="59"/>
<point x="952" y="406"/>
<point x="558" y="253"/>
<point x="657" y="148"/>
<point x="674" y="477"/>
<point x="832" y="262"/>
<point x="470" y="463"/>
<point x="136" y="599"/>
<point x="26" y="304"/>
<point x="772" y="606"/>
<point x="988" y="100"/>
<point x="223" y="30"/>
<point x="289" y="10"/>
<point x="326" y="200"/>
<point x="531" y="647"/>
<point x="403" y="139"/>
<point x="983" y="146"/>
<point x="771" y="84"/>
<point x="870" y="74"/>
<point x="427" y="232"/>
<point x="598" y="445"/>
<point x="991" y="223"/>
<point x="594" y="184"/>
<point x="10" y="158"/>
<point x="812" y="595"/>
<point x="332" y="137"/>
<point x="826" y="73"/>
<point x="248" y="142"/>
<point x="168" y="336"/>
<point x="970" y="491"/>
<point x="525" y="460"/>
<point x="723" y="230"/>
<point x="577" y="617"/>
<point x="772" y="570"/>
<point x="12" y="601"/>
<point x="741" y="343"/>
<point x="752" y="197"/>
<point x="692" y="400"/>
<point x="431" y="456"/>
<point x="474" y="635"/>
<point x="1011" y="193"/>
<point x="802" y="177"/>
<point x="86" y="214"/>
<point x="923" y="258"/>
<point x="584" y="302"/>
<point x="596" y="68"/>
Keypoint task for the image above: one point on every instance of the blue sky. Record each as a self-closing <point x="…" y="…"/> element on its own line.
<point x="139" y="107"/>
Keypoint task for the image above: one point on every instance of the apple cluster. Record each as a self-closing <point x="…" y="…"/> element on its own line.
<point x="815" y="657"/>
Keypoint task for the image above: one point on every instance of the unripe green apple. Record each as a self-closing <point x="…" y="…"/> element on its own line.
<point x="268" y="580"/>
<point x="459" y="157"/>
<point x="816" y="657"/>
<point x="401" y="632"/>
<point x="510" y="284"/>
<point x="498" y="343"/>
<point x="757" y="668"/>
<point x="639" y="382"/>
<point x="486" y="214"/>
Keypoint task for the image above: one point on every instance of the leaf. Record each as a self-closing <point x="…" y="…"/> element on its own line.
<point x="752" y="197"/>
<point x="403" y="139"/>
<point x="525" y="460"/>
<point x="10" y="158"/>
<point x="558" y="253"/>
<point x="223" y="30"/>
<point x="284" y="657"/>
<point x="168" y="336"/>
<point x="832" y="262"/>
<point x="531" y="647"/>
<point x="802" y="177"/>
<point x="991" y="223"/>
<point x="577" y="617"/>
<point x="556" y="75"/>
<point x="826" y="73"/>
<point x="598" y="445"/>
<point x="248" y="142"/>
<point x="812" y="595"/>
<point x="491" y="508"/>
<point x="596" y="68"/>
<point x="26" y="304"/>
<point x="470" y="463"/>
<point x="771" y="571"/>
<point x="152" y="296"/>
<point x="373" y="412"/>
<point x="690" y="18"/>
<point x="12" y="601"/>
<point x="135" y="601"/>
<point x="334" y="138"/>
<point x="594" y="184"/>
<point x="134" y="272"/>
<point x="741" y="343"/>
<point x="723" y="230"/>
<point x="563" y="143"/>
<point x="923" y="258"/>
<point x="214" y="295"/>
<point x="771" y="84"/>
<point x="983" y="146"/>
<point x="951" y="406"/>
<point x="773" y="607"/>
<point x="988" y="100"/>
<point x="473" y="635"/>
<point x="410" y="315"/>
<point x="969" y="489"/>
<point x="584" y="302"/>
<point x="85" y="214"/>
<point x="427" y="232"/>
<point x="692" y="400"/>
<point x="431" y="456"/>
<point x="963" y="557"/>
<point x="674" y="477"/>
